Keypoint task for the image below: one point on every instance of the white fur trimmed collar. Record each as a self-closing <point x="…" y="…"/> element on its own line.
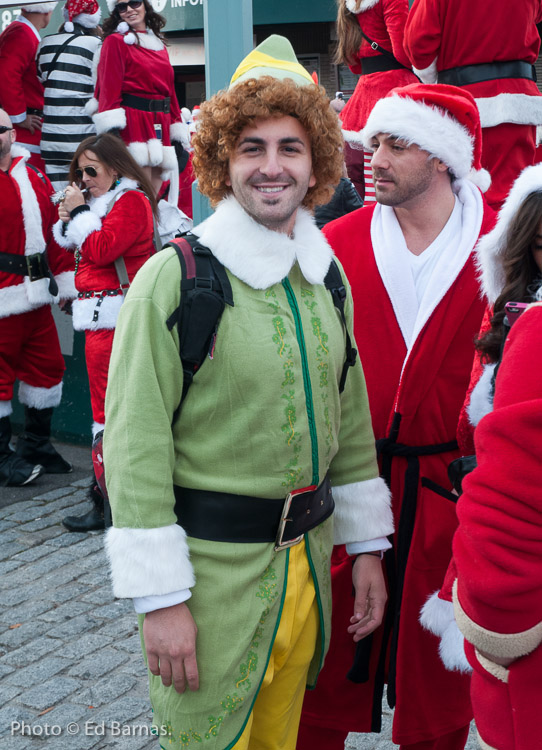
<point x="363" y="6"/>
<point x="259" y="256"/>
<point x="147" y="39"/>
<point x="491" y="246"/>
<point x="100" y="204"/>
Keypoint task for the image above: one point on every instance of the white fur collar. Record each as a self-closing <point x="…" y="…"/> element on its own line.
<point x="147" y="39"/>
<point x="100" y="204"/>
<point x="259" y="256"/>
<point x="363" y="6"/>
<point x="491" y="246"/>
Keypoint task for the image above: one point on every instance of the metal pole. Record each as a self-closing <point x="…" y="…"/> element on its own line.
<point x="228" y="35"/>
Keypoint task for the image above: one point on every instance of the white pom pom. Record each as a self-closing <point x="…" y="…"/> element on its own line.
<point x="68" y="27"/>
<point x="130" y="38"/>
<point x="481" y="178"/>
<point x="123" y="27"/>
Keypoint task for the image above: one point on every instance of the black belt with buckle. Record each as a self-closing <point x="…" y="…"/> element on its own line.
<point x="34" y="266"/>
<point x="378" y="64"/>
<point x="32" y="111"/>
<point x="146" y="105"/>
<point x="223" y="517"/>
<point x="464" y="75"/>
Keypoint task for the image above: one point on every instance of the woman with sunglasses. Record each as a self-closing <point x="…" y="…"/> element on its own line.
<point x="135" y="89"/>
<point x="106" y="215"/>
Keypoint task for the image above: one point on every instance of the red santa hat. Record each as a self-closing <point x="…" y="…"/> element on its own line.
<point x="87" y="13"/>
<point x="39" y="7"/>
<point x="442" y="120"/>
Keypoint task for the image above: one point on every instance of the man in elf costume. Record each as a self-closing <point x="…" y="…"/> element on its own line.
<point x="21" y="91"/>
<point x="264" y="417"/>
<point x="417" y="310"/>
<point x="34" y="272"/>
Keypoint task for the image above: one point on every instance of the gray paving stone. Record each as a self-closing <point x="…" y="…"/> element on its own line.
<point x="38" y="672"/>
<point x="10" y="714"/>
<point x="72" y="628"/>
<point x="132" y="644"/>
<point x="62" y="715"/>
<point x="67" y="502"/>
<point x="106" y="690"/>
<point x="38" y="537"/>
<point x="123" y="710"/>
<point x="92" y="543"/>
<point x="5" y="669"/>
<point x="103" y="595"/>
<point x="10" y="549"/>
<point x="96" y="562"/>
<point x="50" y="692"/>
<point x="66" y="539"/>
<point x="5" y="512"/>
<point x="4" y="525"/>
<point x="65" y="611"/>
<point x="16" y="637"/>
<point x="96" y="577"/>
<point x="60" y="576"/>
<point x="30" y="653"/>
<point x="120" y="629"/>
<point x="83" y="482"/>
<point x="52" y="562"/>
<point x="54" y="494"/>
<point x="98" y="664"/>
<point x="25" y="611"/>
<point x="23" y="514"/>
<point x="33" y="554"/>
<point x="87" y="644"/>
<point x="116" y="609"/>
<point x="7" y="692"/>
<point x="71" y="591"/>
<point x="38" y="524"/>
<point x="13" y="596"/>
<point x="7" y="567"/>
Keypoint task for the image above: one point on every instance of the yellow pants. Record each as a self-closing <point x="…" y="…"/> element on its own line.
<point x="274" y="720"/>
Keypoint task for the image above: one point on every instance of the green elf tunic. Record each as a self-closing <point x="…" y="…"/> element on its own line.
<point x="262" y="417"/>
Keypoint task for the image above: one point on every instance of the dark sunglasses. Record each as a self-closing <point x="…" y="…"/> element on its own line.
<point x="91" y="171"/>
<point x="123" y="7"/>
<point x="4" y="129"/>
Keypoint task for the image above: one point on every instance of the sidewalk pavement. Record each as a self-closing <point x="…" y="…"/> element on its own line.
<point x="71" y="670"/>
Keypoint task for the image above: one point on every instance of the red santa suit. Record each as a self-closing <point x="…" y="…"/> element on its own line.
<point x="441" y="36"/>
<point x="497" y="595"/>
<point x="383" y="21"/>
<point x="29" y="347"/>
<point x="99" y="236"/>
<point x="21" y="92"/>
<point x="136" y="64"/>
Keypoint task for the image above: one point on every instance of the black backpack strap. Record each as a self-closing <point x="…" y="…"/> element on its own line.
<point x="334" y="283"/>
<point x="205" y="291"/>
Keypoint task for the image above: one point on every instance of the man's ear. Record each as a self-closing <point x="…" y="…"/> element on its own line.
<point x="441" y="166"/>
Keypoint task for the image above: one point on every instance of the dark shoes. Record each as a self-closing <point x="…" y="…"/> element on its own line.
<point x="93" y="520"/>
<point x="35" y="446"/>
<point x="14" y="470"/>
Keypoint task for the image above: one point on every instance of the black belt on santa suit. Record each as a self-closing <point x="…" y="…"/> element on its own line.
<point x="146" y="105"/>
<point x="378" y="64"/>
<point x="396" y="562"/>
<point x="34" y="266"/>
<point x="465" y="75"/>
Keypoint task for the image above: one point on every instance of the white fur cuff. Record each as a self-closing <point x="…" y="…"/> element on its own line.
<point x="5" y="409"/>
<point x="108" y="312"/>
<point x="179" y="131"/>
<point x="481" y="397"/>
<point x="429" y="74"/>
<point x="81" y="226"/>
<point x="148" y="562"/>
<point x="362" y="511"/>
<point x="40" y="398"/>
<point x="66" y="285"/>
<point x="437" y="616"/>
<point x="111" y="118"/>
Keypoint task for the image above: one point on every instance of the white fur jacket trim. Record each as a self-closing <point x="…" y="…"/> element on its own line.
<point x="40" y="398"/>
<point x="481" y="397"/>
<point x="491" y="246"/>
<point x="5" y="409"/>
<point x="83" y="313"/>
<point x="519" y="109"/>
<point x="363" y="6"/>
<point x="261" y="257"/>
<point x="362" y="511"/>
<point x="66" y="285"/>
<point x="437" y="616"/>
<point x="109" y="119"/>
<point x="148" y="562"/>
<point x="429" y="74"/>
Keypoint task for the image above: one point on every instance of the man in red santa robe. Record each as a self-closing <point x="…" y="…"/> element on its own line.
<point x="21" y="92"/>
<point x="417" y="308"/>
<point x="490" y="49"/>
<point x="34" y="272"/>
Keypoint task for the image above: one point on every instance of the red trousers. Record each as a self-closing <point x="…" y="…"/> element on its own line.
<point x="320" y="738"/>
<point x="98" y="346"/>
<point x="29" y="351"/>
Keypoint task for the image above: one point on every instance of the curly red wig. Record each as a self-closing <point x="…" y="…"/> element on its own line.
<point x="226" y="114"/>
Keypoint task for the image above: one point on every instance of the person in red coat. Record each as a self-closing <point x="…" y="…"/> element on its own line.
<point x="21" y="92"/>
<point x="417" y="309"/>
<point x="380" y="70"/>
<point x="497" y="599"/>
<point x="491" y="51"/>
<point x="113" y="221"/>
<point x="34" y="273"/>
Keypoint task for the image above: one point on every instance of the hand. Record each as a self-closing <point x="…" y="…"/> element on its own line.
<point x="170" y="642"/>
<point x="31" y="122"/>
<point x="63" y="215"/>
<point x="371" y="596"/>
<point x="74" y="197"/>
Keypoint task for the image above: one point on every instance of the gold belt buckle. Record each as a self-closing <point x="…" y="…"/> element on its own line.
<point x="279" y="544"/>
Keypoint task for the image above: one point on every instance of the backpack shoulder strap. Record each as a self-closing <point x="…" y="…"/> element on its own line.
<point x="205" y="291"/>
<point x="335" y="285"/>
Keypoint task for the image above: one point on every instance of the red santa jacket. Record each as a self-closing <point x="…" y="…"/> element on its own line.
<point x="440" y="35"/>
<point x="100" y="236"/>
<point x="26" y="220"/>
<point x="383" y="21"/>
<point x="142" y="70"/>
<point x="20" y="87"/>
<point x="498" y="592"/>
<point x="415" y="394"/>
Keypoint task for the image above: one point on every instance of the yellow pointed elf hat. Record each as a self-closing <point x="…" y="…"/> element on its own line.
<point x="275" y="57"/>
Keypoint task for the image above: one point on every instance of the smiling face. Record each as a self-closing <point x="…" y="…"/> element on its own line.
<point x="105" y="177"/>
<point x="135" y="17"/>
<point x="401" y="173"/>
<point x="270" y="171"/>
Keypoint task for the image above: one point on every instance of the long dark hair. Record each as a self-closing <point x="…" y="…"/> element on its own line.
<point x="520" y="271"/>
<point x="112" y="152"/>
<point x="154" y="21"/>
<point x="349" y="36"/>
